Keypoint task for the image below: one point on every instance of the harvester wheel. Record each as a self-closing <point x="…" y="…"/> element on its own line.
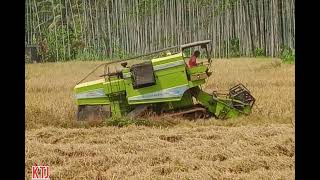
<point x="138" y="111"/>
<point x="195" y="112"/>
<point x="197" y="115"/>
<point x="89" y="113"/>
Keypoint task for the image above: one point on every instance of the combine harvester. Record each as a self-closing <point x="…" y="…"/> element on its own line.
<point x="161" y="86"/>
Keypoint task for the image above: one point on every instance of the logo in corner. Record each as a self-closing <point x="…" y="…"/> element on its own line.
<point x="40" y="172"/>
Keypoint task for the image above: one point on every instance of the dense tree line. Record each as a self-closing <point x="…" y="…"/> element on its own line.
<point x="97" y="29"/>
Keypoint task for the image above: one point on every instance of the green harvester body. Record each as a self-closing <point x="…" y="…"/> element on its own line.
<point x="165" y="84"/>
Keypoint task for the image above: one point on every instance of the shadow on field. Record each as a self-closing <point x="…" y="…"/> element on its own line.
<point x="170" y="122"/>
<point x="123" y="122"/>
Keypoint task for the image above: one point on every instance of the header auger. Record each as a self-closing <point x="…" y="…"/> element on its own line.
<point x="164" y="86"/>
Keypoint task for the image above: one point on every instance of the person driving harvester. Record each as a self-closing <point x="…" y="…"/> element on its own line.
<point x="193" y="62"/>
<point x="193" y="59"/>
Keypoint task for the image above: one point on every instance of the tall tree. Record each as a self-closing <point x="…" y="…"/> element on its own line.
<point x="112" y="28"/>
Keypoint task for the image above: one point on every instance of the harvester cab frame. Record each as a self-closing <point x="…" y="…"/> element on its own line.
<point x="203" y="45"/>
<point x="161" y="85"/>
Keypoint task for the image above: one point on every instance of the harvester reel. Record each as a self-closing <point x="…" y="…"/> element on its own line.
<point x="241" y="93"/>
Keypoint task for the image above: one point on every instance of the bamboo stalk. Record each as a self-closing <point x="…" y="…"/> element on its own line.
<point x="140" y="26"/>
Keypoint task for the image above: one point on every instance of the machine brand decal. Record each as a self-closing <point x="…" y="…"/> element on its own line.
<point x="166" y="93"/>
<point x="91" y="94"/>
<point x="168" y="65"/>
